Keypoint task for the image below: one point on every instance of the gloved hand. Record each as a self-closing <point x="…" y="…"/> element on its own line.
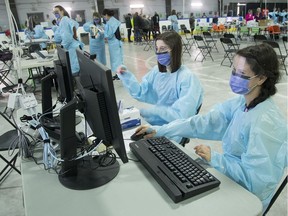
<point x="121" y="69"/>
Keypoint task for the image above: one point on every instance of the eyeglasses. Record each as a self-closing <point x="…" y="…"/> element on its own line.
<point x="234" y="72"/>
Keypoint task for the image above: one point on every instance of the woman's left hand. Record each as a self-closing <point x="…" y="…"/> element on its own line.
<point x="203" y="151"/>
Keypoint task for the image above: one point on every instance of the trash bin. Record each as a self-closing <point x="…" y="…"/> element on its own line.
<point x="84" y="38"/>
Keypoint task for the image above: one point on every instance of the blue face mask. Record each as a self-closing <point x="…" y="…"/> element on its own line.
<point x="105" y="19"/>
<point x="57" y="15"/>
<point x="96" y="21"/>
<point x="164" y="58"/>
<point x="240" y="83"/>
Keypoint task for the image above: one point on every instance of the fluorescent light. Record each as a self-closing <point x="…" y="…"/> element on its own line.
<point x="136" y="6"/>
<point x="196" y="4"/>
<point x="239" y="4"/>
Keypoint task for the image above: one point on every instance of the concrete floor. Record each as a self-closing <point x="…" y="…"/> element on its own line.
<point x="215" y="80"/>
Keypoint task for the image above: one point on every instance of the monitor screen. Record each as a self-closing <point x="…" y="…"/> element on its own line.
<point x="64" y="74"/>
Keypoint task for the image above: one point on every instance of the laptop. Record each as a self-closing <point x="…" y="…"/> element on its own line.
<point x="42" y="55"/>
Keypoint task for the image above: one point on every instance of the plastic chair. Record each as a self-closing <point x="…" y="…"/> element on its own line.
<point x="229" y="48"/>
<point x="274" y="32"/>
<point x="278" y="51"/>
<point x="202" y="46"/>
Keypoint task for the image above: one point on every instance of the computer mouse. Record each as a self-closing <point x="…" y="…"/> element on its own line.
<point x="135" y="137"/>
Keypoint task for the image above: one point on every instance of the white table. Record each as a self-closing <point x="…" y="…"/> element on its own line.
<point x="133" y="192"/>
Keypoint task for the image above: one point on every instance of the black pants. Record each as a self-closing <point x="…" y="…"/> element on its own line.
<point x="129" y="34"/>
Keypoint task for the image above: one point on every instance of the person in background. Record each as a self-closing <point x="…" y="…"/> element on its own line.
<point x="97" y="43"/>
<point x="204" y="15"/>
<point x="251" y="127"/>
<point x="66" y="34"/>
<point x="54" y="25"/>
<point x="192" y="22"/>
<point x="112" y="35"/>
<point x="174" y="21"/>
<point x="138" y="26"/>
<point x="173" y="91"/>
<point x="156" y="23"/>
<point x="249" y="16"/>
<point x="258" y="15"/>
<point x="36" y="31"/>
<point x="128" y="26"/>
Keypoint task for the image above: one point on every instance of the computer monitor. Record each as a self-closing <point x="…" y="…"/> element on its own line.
<point x="96" y="99"/>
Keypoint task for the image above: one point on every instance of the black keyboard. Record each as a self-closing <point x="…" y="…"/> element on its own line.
<point x="177" y="173"/>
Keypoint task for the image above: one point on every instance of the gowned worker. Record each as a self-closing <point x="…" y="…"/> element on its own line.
<point x="252" y="129"/>
<point x="173" y="90"/>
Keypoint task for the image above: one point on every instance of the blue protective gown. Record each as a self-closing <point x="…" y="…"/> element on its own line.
<point x="174" y="95"/>
<point x="254" y="142"/>
<point x="39" y="32"/>
<point x="54" y="28"/>
<point x="115" y="45"/>
<point x="64" y="35"/>
<point x="174" y="22"/>
<point x="97" y="44"/>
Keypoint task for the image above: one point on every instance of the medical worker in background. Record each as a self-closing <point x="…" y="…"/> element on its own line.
<point x="66" y="34"/>
<point x="96" y="43"/>
<point x="252" y="129"/>
<point x="113" y="36"/>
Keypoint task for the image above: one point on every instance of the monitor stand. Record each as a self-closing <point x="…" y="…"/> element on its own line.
<point x="85" y="173"/>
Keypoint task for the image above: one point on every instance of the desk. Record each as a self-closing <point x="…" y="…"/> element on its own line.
<point x="133" y="192"/>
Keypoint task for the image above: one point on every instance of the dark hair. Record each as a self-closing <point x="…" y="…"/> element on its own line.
<point x="62" y="9"/>
<point x="54" y="22"/>
<point x="109" y="12"/>
<point x="173" y="40"/>
<point x="262" y="60"/>
<point x="31" y="23"/>
<point x="173" y="12"/>
<point x="96" y="14"/>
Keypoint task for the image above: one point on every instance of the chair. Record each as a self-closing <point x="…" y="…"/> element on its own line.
<point x="233" y="38"/>
<point x="190" y="40"/>
<point x="278" y="51"/>
<point x="5" y="140"/>
<point x="186" y="47"/>
<point x="6" y="59"/>
<point x="274" y="32"/>
<point x="229" y="48"/>
<point x="183" y="28"/>
<point x="164" y="28"/>
<point x="284" y="39"/>
<point x="202" y="46"/>
<point x="277" y="193"/>
<point x="210" y="40"/>
<point x="259" y="38"/>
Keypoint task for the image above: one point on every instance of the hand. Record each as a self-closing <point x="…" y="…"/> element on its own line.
<point x="121" y="69"/>
<point x="203" y="151"/>
<point x="145" y="129"/>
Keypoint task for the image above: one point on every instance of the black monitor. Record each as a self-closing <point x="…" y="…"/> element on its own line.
<point x="96" y="99"/>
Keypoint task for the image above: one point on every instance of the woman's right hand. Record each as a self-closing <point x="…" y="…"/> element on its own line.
<point x="147" y="130"/>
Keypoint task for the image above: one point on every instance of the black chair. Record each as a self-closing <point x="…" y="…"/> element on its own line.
<point x="278" y="51"/>
<point x="202" y="46"/>
<point x="5" y="141"/>
<point x="259" y="38"/>
<point x="284" y="39"/>
<point x="210" y="40"/>
<point x="233" y="38"/>
<point x="164" y="28"/>
<point x="186" y="47"/>
<point x="190" y="40"/>
<point x="229" y="49"/>
<point x="277" y="193"/>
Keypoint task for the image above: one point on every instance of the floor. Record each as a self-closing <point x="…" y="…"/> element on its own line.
<point x="214" y="79"/>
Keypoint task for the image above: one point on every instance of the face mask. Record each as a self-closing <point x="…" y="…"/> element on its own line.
<point x="240" y="84"/>
<point x="105" y="19"/>
<point x="57" y="15"/>
<point x="96" y="21"/>
<point x="164" y="58"/>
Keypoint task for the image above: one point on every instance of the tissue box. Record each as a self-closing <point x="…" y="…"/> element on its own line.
<point x="130" y="117"/>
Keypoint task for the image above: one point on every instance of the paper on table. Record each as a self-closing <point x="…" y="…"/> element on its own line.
<point x="126" y="136"/>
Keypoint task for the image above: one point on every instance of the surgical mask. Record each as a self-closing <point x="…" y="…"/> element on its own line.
<point x="96" y="21"/>
<point x="240" y="83"/>
<point x="105" y="19"/>
<point x="164" y="58"/>
<point x="57" y="15"/>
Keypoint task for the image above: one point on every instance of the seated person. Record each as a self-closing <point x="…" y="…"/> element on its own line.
<point x="173" y="90"/>
<point x="251" y="127"/>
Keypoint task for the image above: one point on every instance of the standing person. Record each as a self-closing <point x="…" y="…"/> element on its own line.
<point x="128" y="26"/>
<point x="138" y="26"/>
<point x="66" y="34"/>
<point x="170" y="87"/>
<point x="97" y="43"/>
<point x="192" y="22"/>
<point x="156" y="23"/>
<point x="112" y="34"/>
<point x="174" y="21"/>
<point x="251" y="127"/>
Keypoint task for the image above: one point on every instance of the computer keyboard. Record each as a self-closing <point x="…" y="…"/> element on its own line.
<point x="177" y="173"/>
